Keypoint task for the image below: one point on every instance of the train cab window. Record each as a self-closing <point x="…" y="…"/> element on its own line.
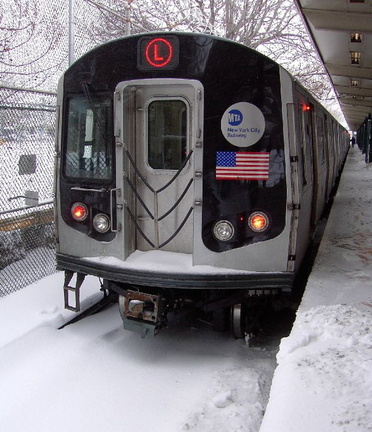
<point x="88" y="152"/>
<point x="167" y="134"/>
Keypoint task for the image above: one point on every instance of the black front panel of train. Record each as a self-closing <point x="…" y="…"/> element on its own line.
<point x="231" y="74"/>
<point x="235" y="80"/>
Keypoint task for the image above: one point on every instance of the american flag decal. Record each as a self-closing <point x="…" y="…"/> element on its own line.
<point x="242" y="165"/>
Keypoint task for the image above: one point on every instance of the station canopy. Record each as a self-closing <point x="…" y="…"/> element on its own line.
<point x="342" y="33"/>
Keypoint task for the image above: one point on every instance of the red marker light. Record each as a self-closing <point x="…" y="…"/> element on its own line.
<point x="306" y="107"/>
<point x="79" y="211"/>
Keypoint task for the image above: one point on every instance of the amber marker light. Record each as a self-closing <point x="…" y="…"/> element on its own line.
<point x="258" y="222"/>
<point x="79" y="211"/>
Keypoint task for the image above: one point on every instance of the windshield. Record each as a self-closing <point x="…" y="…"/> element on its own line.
<point x="89" y="135"/>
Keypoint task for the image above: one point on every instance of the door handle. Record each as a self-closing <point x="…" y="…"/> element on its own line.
<point x="119" y="206"/>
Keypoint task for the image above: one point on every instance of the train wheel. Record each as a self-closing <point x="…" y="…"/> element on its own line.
<point x="121" y="303"/>
<point x="238" y="321"/>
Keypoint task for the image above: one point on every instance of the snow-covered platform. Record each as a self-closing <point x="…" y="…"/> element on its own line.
<point x="323" y="381"/>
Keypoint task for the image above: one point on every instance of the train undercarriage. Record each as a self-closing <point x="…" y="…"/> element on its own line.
<point x="145" y="309"/>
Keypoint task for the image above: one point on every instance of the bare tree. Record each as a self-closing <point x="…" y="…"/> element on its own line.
<point x="17" y="26"/>
<point x="29" y="33"/>
<point x="270" y="26"/>
<point x="33" y="33"/>
<point x="253" y="23"/>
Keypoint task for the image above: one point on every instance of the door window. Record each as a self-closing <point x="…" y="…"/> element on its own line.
<point x="167" y="134"/>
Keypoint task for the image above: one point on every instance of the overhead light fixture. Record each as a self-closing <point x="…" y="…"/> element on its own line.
<point x="355" y="57"/>
<point x="356" y="37"/>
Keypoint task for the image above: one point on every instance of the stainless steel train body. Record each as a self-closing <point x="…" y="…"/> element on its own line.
<point x="188" y="167"/>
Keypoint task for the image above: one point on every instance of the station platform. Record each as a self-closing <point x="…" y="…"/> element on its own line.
<point x="323" y="381"/>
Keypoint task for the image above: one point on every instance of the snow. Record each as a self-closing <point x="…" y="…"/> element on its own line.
<point x="163" y="261"/>
<point x="95" y="376"/>
<point x="324" y="378"/>
<point x="323" y="381"/>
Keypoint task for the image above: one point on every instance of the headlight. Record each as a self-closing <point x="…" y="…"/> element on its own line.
<point x="258" y="221"/>
<point x="79" y="211"/>
<point x="101" y="223"/>
<point x="223" y="230"/>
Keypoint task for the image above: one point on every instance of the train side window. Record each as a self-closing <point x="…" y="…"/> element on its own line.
<point x="167" y="134"/>
<point x="321" y="138"/>
<point x="303" y="133"/>
<point x="88" y="151"/>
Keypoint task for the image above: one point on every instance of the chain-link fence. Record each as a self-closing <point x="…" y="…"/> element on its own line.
<point x="27" y="129"/>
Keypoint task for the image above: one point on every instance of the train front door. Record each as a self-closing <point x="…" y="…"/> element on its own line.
<point x="159" y="129"/>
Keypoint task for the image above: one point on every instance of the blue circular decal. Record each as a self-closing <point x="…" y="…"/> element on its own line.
<point x="235" y="117"/>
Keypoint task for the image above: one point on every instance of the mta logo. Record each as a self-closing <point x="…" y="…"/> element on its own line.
<point x="235" y="117"/>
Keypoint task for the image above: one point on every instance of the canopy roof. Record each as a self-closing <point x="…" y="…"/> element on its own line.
<point x="342" y="33"/>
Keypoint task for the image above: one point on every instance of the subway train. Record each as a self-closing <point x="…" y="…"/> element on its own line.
<point x="190" y="170"/>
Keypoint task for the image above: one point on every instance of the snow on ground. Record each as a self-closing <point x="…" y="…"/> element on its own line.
<point x="323" y="381"/>
<point x="94" y="376"/>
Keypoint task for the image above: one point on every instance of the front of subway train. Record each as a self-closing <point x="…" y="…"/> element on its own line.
<point x="170" y="175"/>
